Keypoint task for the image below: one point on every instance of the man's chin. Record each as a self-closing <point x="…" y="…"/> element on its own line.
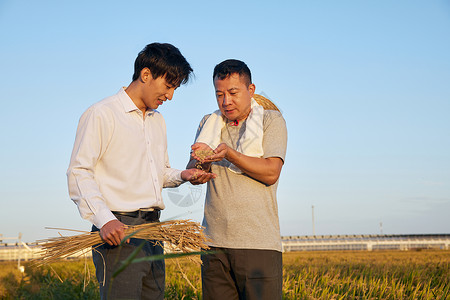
<point x="155" y="106"/>
<point x="231" y="117"/>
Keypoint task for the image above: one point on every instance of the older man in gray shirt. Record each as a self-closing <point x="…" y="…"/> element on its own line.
<point x="247" y="147"/>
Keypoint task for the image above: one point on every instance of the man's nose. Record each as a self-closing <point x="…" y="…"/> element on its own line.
<point x="169" y="94"/>
<point x="226" y="100"/>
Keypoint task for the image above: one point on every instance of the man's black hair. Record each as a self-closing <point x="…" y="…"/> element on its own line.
<point x="163" y="59"/>
<point x="233" y="66"/>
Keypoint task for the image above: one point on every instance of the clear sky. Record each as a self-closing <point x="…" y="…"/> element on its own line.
<point x="364" y="87"/>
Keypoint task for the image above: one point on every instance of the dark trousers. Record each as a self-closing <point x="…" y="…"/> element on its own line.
<point x="242" y="274"/>
<point x="145" y="280"/>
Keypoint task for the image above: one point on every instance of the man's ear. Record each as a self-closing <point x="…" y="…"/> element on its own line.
<point x="251" y="89"/>
<point x="145" y="75"/>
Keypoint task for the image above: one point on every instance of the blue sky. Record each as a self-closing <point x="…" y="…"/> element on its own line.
<point x="363" y="86"/>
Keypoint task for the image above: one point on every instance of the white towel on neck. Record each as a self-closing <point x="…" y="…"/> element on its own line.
<point x="251" y="141"/>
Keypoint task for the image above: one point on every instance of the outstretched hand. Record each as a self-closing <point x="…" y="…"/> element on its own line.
<point x="196" y="176"/>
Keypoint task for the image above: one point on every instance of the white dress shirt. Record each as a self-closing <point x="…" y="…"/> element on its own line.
<point x="119" y="160"/>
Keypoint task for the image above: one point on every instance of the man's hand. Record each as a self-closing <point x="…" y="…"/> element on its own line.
<point x="113" y="232"/>
<point x="200" y="151"/>
<point x="212" y="155"/>
<point x="196" y="176"/>
<point x="221" y="152"/>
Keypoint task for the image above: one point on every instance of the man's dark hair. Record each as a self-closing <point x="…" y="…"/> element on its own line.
<point x="163" y="60"/>
<point x="233" y="66"/>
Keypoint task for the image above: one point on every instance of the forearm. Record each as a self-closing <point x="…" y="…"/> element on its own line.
<point x="265" y="170"/>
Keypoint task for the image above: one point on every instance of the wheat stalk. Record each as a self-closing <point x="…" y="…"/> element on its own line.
<point x="182" y="235"/>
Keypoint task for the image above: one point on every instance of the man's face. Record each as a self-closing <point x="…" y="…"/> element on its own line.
<point x="157" y="91"/>
<point x="234" y="97"/>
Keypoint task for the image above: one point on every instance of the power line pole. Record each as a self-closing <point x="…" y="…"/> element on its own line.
<point x="19" y="251"/>
<point x="313" y="228"/>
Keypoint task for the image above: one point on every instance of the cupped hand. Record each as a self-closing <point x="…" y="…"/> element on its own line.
<point x="200" y="151"/>
<point x="220" y="153"/>
<point x="196" y="176"/>
<point x="214" y="155"/>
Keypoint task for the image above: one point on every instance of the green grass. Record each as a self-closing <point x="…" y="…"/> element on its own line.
<point x="306" y="275"/>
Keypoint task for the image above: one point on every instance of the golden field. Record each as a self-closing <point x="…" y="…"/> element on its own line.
<point x="306" y="275"/>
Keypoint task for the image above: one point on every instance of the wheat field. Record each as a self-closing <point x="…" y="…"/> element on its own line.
<point x="306" y="275"/>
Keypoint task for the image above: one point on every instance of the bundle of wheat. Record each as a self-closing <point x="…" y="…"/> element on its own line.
<point x="264" y="102"/>
<point x="181" y="235"/>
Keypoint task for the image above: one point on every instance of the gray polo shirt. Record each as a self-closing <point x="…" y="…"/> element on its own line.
<point x="241" y="212"/>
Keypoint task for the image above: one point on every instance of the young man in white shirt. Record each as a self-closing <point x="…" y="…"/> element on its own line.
<point x="119" y="166"/>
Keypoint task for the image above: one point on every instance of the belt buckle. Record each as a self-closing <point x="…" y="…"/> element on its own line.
<point x="147" y="209"/>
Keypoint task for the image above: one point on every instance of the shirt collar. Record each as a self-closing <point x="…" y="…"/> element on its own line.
<point x="128" y="104"/>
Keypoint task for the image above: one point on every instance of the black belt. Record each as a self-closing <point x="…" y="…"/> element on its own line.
<point x="149" y="215"/>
